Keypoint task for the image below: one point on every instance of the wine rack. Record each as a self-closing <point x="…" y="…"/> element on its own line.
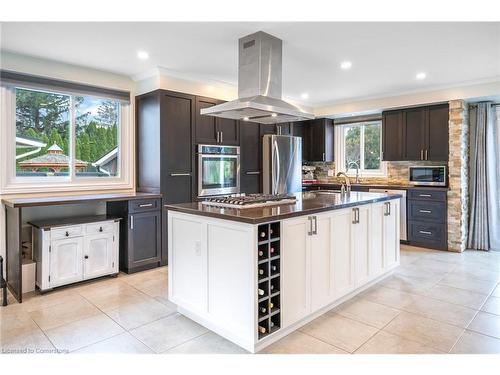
<point x="268" y="278"/>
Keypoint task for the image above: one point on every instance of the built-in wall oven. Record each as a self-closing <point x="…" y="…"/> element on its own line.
<point x="218" y="170"/>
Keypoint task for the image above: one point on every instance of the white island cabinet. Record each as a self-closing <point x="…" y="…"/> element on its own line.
<point x="254" y="283"/>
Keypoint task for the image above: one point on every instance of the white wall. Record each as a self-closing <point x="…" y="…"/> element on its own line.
<point x="58" y="70"/>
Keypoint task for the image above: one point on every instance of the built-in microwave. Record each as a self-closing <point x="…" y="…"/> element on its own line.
<point x="218" y="170"/>
<point x="427" y="175"/>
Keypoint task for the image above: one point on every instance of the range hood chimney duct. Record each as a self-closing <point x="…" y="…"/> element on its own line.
<point x="259" y="85"/>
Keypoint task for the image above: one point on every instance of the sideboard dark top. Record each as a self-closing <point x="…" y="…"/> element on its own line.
<point x="54" y="200"/>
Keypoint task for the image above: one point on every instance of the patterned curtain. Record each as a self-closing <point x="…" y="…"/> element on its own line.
<point x="484" y="178"/>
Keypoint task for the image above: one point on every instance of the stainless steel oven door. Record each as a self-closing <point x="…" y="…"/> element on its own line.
<point x="218" y="174"/>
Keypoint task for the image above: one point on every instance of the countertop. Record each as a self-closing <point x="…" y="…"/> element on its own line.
<point x="307" y="203"/>
<point x="327" y="184"/>
<point x="53" y="200"/>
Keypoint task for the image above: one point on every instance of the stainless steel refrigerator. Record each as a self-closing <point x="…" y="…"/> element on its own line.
<point x="282" y="164"/>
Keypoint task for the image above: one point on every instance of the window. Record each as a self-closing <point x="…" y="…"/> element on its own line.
<point x="61" y="135"/>
<point x="359" y="147"/>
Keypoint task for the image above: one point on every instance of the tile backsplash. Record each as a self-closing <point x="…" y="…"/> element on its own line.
<point x="397" y="171"/>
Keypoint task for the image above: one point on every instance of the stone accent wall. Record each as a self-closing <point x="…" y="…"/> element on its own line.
<point x="458" y="166"/>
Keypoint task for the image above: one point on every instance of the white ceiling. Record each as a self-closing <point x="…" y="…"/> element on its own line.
<point x="385" y="56"/>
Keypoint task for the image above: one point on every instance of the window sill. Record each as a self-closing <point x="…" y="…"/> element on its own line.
<point x="65" y="188"/>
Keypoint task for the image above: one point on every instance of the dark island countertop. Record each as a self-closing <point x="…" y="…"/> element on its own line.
<point x="307" y="203"/>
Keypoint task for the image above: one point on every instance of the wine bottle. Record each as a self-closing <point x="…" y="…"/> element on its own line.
<point x="271" y="250"/>
<point x="261" y="253"/>
<point x="274" y="268"/>
<point x="261" y="292"/>
<point x="262" y="329"/>
<point x="262" y="234"/>
<point x="271" y="324"/>
<point x="271" y="305"/>
<point x="270" y="231"/>
<point x="261" y="271"/>
<point x="272" y="287"/>
<point x="263" y="310"/>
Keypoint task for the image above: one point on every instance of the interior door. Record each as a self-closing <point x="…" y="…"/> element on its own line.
<point x="343" y="256"/>
<point x="66" y="261"/>
<point x="98" y="255"/>
<point x="321" y="262"/>
<point x="295" y="270"/>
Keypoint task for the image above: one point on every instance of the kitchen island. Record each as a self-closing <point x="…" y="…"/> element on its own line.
<point x="255" y="275"/>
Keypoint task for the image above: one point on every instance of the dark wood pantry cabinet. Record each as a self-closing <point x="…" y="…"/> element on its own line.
<point x="250" y="158"/>
<point x="419" y="133"/>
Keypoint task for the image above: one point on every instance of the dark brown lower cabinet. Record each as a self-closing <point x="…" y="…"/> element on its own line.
<point x="140" y="234"/>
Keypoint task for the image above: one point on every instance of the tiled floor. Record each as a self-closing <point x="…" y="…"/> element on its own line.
<point x="436" y="302"/>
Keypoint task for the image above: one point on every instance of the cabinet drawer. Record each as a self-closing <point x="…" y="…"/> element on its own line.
<point x="66" y="232"/>
<point x="427" y="194"/>
<point x="102" y="227"/>
<point x="432" y="211"/>
<point x="427" y="234"/>
<point x="144" y="205"/>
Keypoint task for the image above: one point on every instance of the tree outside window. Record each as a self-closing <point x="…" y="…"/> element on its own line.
<point x="361" y="147"/>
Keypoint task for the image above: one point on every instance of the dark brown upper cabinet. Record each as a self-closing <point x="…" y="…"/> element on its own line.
<point x="419" y="133"/>
<point x="317" y="140"/>
<point x="392" y="135"/>
<point x="215" y="130"/>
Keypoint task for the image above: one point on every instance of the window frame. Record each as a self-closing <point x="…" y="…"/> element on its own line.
<point x="340" y="150"/>
<point x="10" y="183"/>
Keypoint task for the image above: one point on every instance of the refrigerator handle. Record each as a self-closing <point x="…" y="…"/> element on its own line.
<point x="276" y="164"/>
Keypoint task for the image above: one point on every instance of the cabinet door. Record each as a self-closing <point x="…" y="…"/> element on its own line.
<point x="377" y="256"/>
<point x="284" y="128"/>
<point x="98" y="255"/>
<point x="342" y="254"/>
<point x="437" y="134"/>
<point x="295" y="268"/>
<point x="229" y="131"/>
<point x="66" y="261"/>
<point x="298" y="129"/>
<point x="414" y="120"/>
<point x="321" y="262"/>
<point x="177" y="156"/>
<point x="144" y="238"/>
<point x="250" y="158"/>
<point x="392" y="136"/>
<point x="361" y="246"/>
<point x="391" y="234"/>
<point x="206" y="126"/>
<point x="320" y="133"/>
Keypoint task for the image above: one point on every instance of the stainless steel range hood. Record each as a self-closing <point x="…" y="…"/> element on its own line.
<point x="259" y="85"/>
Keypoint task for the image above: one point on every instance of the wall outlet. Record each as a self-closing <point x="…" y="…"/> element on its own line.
<point x="197" y="248"/>
<point x="331" y="173"/>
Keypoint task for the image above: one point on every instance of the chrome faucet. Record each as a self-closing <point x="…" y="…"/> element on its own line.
<point x="357" y="180"/>
<point x="346" y="185"/>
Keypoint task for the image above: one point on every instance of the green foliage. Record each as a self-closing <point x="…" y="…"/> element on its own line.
<point x="371" y="146"/>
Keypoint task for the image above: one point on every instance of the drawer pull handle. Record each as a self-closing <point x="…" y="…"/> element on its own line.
<point x="100" y="229"/>
<point x="67" y="234"/>
<point x="179" y="174"/>
<point x="146" y="205"/>
<point x="425" y="232"/>
<point x="425" y="195"/>
<point x="86" y="257"/>
<point x="251" y="173"/>
<point x="425" y="211"/>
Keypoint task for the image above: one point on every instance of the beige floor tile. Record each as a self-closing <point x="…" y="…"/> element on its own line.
<point x="63" y="313"/>
<point x="468" y="283"/>
<point x="209" y="343"/>
<point x="487" y="324"/>
<point x="344" y="333"/>
<point x="368" y="312"/>
<point x="475" y="272"/>
<point x="475" y="343"/>
<point x="442" y="311"/>
<point x="140" y="277"/>
<point x="492" y="305"/>
<point x="83" y="332"/>
<point x="446" y="256"/>
<point x="123" y="343"/>
<point x="157" y="287"/>
<point x="25" y="340"/>
<point x="300" y="343"/>
<point x="113" y="296"/>
<point x="387" y="343"/>
<point x="413" y="270"/>
<point x="409" y="284"/>
<point x="389" y="297"/>
<point x="457" y="296"/>
<point x="50" y="299"/>
<point x="133" y="315"/>
<point x="168" y="332"/>
<point x="435" y="265"/>
<point x="429" y="332"/>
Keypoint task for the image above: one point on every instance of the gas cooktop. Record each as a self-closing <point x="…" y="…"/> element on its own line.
<point x="250" y="200"/>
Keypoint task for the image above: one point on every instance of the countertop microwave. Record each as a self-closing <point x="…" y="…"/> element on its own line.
<point x="427" y="175"/>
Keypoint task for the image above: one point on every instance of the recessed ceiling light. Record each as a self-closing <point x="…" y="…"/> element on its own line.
<point x="143" y="55"/>
<point x="245" y="118"/>
<point x="420" y="75"/>
<point x="304" y="95"/>
<point x="345" y="65"/>
<point x="274" y="114"/>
